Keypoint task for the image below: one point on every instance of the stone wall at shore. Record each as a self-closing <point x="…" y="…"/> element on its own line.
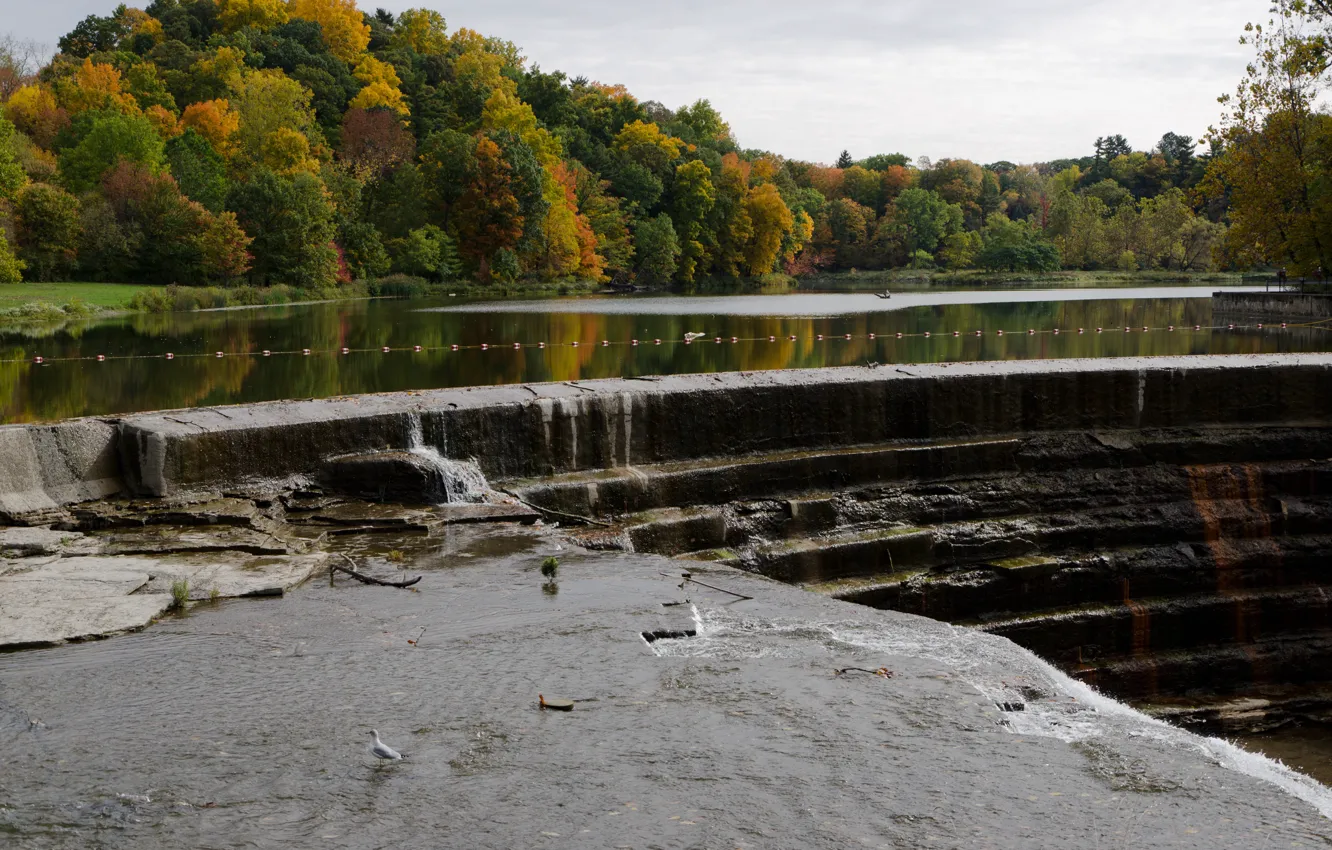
<point x="529" y="431"/>
<point x="1284" y="305"/>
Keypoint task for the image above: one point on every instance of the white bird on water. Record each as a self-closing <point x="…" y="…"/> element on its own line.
<point x="381" y="750"/>
<point x="690" y="337"/>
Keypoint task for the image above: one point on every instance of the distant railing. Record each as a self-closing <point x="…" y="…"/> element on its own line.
<point x="1279" y="282"/>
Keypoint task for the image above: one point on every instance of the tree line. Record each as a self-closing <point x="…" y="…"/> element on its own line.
<point x="306" y="143"/>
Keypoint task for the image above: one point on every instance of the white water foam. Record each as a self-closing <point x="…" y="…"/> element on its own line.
<point x="463" y="481"/>
<point x="1055" y="704"/>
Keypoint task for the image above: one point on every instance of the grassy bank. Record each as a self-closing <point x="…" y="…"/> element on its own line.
<point x="44" y="303"/>
<point x="53" y="303"/>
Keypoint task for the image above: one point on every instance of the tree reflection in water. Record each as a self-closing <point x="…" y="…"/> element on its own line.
<point x="57" y="390"/>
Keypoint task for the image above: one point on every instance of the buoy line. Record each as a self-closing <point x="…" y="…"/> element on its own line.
<point x="40" y="360"/>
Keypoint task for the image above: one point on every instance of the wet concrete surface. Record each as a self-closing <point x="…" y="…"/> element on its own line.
<point x="245" y="723"/>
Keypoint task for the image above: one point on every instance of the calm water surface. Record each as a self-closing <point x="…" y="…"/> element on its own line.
<point x="147" y="381"/>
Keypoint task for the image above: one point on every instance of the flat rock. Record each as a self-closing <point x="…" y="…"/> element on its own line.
<point x="76" y="599"/>
<point x="217" y="510"/>
<point x="45" y="602"/>
<point x="24" y="542"/>
<point x="233" y="575"/>
<point x="167" y="540"/>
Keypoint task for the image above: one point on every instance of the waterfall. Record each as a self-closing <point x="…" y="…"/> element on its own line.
<point x="461" y="481"/>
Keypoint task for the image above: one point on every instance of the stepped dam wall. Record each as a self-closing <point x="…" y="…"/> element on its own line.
<point x="1278" y="305"/>
<point x="1159" y="527"/>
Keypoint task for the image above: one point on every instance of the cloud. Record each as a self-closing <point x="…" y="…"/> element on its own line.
<point x="1021" y="80"/>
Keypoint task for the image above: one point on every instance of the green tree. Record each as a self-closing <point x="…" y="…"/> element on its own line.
<point x="849" y="229"/>
<point x="12" y="176"/>
<point x="864" y="187"/>
<point x="11" y="267"/>
<point x="1015" y="247"/>
<point x="363" y="250"/>
<point x="884" y="161"/>
<point x="426" y="252"/>
<point x="692" y="198"/>
<point x="447" y="161"/>
<point x="704" y="123"/>
<point x="1077" y="228"/>
<point x="844" y="160"/>
<point x="106" y="250"/>
<point x="198" y="169"/>
<point x="658" y="249"/>
<point x="924" y="219"/>
<point x="112" y="138"/>
<point x="1274" y="168"/>
<point x="291" y="223"/>
<point x="1178" y="152"/>
<point x="46" y="227"/>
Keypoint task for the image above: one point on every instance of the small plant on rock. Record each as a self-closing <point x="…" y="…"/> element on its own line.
<point x="550" y="567"/>
<point x="180" y="594"/>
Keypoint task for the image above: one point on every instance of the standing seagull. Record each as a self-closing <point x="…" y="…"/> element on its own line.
<point x="381" y="750"/>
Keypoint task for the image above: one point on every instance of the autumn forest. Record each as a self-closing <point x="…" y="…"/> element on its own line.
<point x="308" y="144"/>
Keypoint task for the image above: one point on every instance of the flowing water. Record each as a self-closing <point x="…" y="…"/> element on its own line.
<point x="145" y="380"/>
<point x="246" y="724"/>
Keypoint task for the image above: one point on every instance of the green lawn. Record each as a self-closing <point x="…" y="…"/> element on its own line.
<point x="107" y="295"/>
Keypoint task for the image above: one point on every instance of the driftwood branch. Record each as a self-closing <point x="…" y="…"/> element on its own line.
<point x="688" y="578"/>
<point x="587" y="519"/>
<point x="361" y="577"/>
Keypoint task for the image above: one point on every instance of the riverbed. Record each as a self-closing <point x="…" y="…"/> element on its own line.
<point x="755" y="334"/>
<point x="246" y="724"/>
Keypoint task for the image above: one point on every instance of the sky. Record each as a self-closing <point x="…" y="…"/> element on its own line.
<point x="988" y="80"/>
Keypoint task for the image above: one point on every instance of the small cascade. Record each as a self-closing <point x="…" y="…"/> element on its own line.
<point x="462" y="482"/>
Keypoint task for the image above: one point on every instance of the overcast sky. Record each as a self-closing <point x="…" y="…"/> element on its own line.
<point x="1022" y="80"/>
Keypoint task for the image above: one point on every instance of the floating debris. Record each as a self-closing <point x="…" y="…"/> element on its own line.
<point x="669" y="634"/>
<point x="882" y="671"/>
<point x="555" y="703"/>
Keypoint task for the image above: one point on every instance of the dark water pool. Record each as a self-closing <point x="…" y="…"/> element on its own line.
<point x="136" y="376"/>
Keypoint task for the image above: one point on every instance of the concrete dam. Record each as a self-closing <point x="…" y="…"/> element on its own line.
<point x="1159" y="528"/>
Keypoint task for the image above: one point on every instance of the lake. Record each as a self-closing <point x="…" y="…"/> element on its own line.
<point x="137" y="375"/>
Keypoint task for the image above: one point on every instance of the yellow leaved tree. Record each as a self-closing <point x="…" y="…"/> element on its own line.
<point x="382" y="87"/>
<point x="422" y="30"/>
<point x="345" y="30"/>
<point x="260" y="14"/>
<point x="95" y="86"/>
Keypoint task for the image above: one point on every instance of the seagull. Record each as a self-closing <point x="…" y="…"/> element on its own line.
<point x="381" y="750"/>
<point x="690" y="337"/>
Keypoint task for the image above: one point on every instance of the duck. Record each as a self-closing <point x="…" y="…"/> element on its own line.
<point x="690" y="337"/>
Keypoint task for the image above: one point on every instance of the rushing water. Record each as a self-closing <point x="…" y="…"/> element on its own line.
<point x="245" y="725"/>
<point x="145" y="380"/>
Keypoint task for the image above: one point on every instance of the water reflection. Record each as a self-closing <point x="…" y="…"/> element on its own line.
<point x="64" y="389"/>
